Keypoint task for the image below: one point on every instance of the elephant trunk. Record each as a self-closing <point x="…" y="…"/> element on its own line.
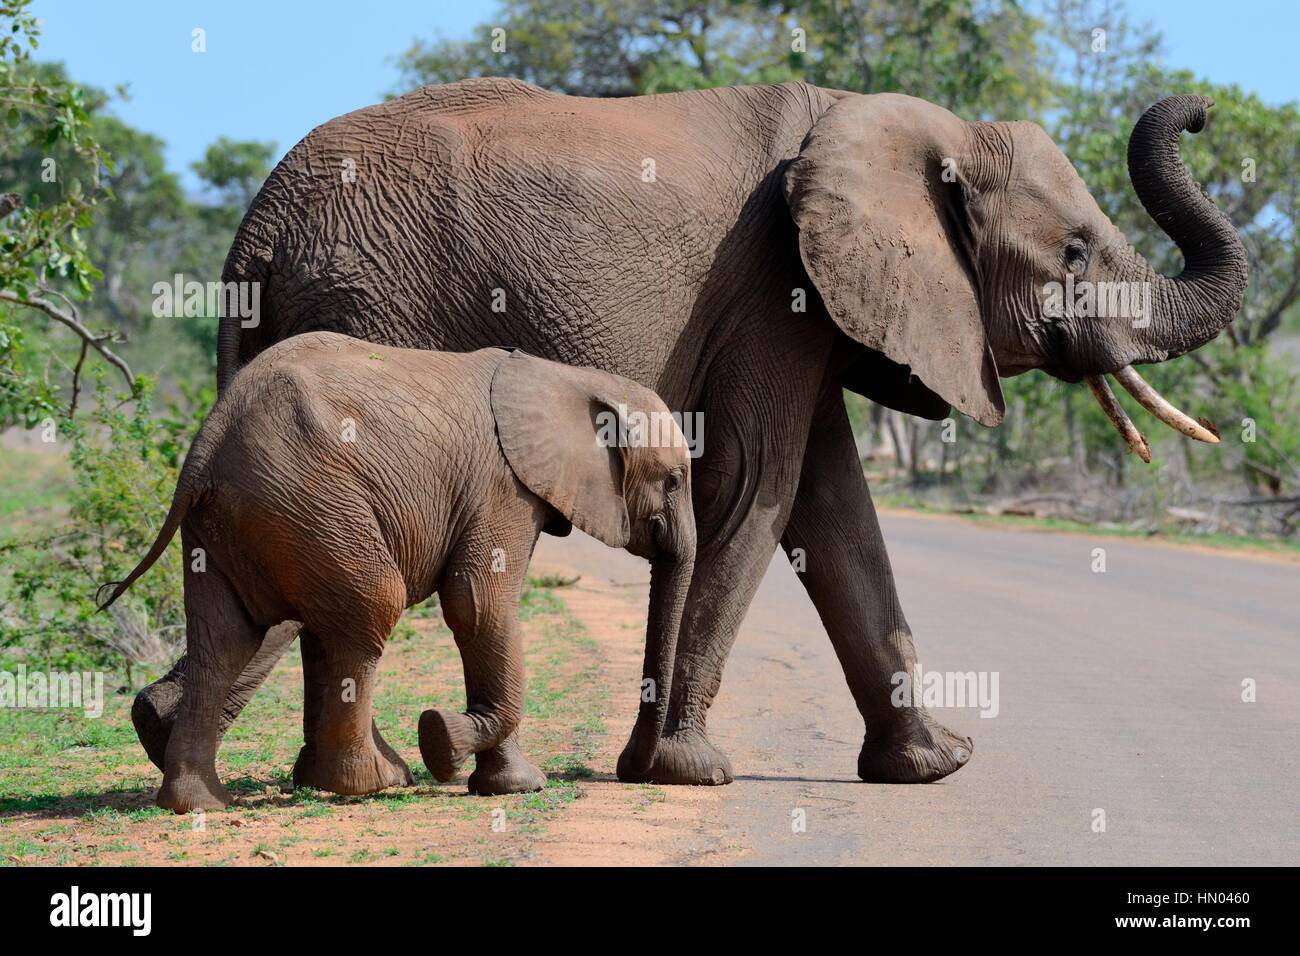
<point x="670" y="580"/>
<point x="1187" y="310"/>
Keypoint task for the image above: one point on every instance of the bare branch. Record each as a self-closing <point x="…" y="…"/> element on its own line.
<point x="76" y="379"/>
<point x="72" y="321"/>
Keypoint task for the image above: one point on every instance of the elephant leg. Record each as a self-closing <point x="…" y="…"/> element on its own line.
<point x="154" y="709"/>
<point x="482" y="609"/>
<point x="851" y="583"/>
<point x="315" y="687"/>
<point x="221" y="639"/>
<point x="317" y="683"/>
<point x="744" y="487"/>
<point x="728" y="573"/>
<point x="343" y="752"/>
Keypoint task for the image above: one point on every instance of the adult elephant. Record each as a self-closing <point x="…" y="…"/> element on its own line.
<point x="748" y="252"/>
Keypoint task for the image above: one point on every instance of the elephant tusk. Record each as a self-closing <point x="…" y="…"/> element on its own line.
<point x="1118" y="417"/>
<point x="1158" y="406"/>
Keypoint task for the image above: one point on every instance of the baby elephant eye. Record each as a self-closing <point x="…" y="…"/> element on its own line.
<point x="673" y="481"/>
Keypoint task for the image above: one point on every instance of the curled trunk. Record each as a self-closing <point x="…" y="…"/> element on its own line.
<point x="1189" y="309"/>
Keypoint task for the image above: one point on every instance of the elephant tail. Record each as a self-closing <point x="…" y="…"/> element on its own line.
<point x="246" y="277"/>
<point x="227" y="351"/>
<point x="188" y="492"/>
<point x="247" y="269"/>
<point x="181" y="503"/>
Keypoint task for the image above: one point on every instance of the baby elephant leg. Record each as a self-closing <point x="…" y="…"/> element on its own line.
<point x="221" y="640"/>
<point x="341" y="650"/>
<point x="482" y="609"/>
<point x="319" y="682"/>
<point x="155" y="707"/>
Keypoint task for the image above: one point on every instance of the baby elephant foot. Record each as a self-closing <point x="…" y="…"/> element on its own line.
<point x="684" y="757"/>
<point x="446" y="741"/>
<point x="351" y="775"/>
<point x="917" y="749"/>
<point x="188" y="789"/>
<point x="504" y="769"/>
<point x="375" y="768"/>
<point x="153" y="712"/>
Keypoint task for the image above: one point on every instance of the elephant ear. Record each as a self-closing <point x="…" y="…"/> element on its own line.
<point x="550" y="419"/>
<point x="888" y="244"/>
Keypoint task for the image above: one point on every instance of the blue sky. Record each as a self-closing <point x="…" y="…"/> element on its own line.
<point x="276" y="68"/>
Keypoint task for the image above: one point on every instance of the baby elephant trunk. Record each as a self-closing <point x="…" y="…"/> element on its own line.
<point x="670" y="579"/>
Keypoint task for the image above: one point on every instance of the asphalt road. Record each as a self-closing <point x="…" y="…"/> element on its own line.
<point x="1118" y="692"/>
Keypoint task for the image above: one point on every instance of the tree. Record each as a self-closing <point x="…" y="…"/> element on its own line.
<point x="235" y="170"/>
<point x="44" y="264"/>
<point x="139" y="224"/>
<point x="83" y="239"/>
<point x="1247" y="160"/>
<point x="981" y="60"/>
<point x="960" y="53"/>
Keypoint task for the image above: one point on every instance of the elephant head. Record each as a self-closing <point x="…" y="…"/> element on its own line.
<point x="964" y="251"/>
<point x="607" y="455"/>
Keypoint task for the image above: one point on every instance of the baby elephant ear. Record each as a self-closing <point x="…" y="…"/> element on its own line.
<point x="555" y="425"/>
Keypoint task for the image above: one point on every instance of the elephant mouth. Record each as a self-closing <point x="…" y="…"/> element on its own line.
<point x="1153" y="402"/>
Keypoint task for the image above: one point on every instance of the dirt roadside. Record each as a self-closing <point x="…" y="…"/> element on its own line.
<point x="618" y="824"/>
<point x="78" y="791"/>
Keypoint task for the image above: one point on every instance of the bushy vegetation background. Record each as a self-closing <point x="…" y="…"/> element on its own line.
<point x="100" y="398"/>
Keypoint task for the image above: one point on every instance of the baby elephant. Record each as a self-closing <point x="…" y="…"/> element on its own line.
<point x="338" y="482"/>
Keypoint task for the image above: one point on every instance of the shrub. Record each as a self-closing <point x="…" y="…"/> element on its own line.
<point x="125" y="461"/>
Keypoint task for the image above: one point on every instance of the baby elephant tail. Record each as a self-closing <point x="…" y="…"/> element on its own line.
<point x="188" y="489"/>
<point x="182" y="501"/>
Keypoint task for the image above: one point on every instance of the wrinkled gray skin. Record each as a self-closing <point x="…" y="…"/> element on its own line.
<point x="338" y="482"/>
<point x="492" y="212"/>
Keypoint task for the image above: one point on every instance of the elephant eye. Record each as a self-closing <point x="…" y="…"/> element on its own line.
<point x="673" y="481"/>
<point x="1076" y="257"/>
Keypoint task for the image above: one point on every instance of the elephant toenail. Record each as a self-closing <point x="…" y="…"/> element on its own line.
<point x="961" y="755"/>
<point x="719" y="777"/>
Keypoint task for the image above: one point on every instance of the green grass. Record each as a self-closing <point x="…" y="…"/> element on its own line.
<point x="427" y="859"/>
<point x="88" y="788"/>
<point x="538" y="600"/>
<point x="551" y="581"/>
<point x="35" y="487"/>
<point x="33" y="483"/>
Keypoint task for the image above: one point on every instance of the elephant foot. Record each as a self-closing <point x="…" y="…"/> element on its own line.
<point x="918" y="749"/>
<point x="504" y="769"/>
<point x="376" y="768"/>
<point x="446" y="741"/>
<point x="685" y="757"/>
<point x="153" y="713"/>
<point x="351" y="775"/>
<point x="187" y="790"/>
